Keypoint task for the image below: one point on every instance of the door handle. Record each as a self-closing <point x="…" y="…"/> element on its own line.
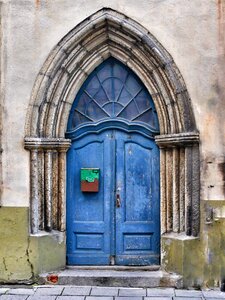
<point x="118" y="202"/>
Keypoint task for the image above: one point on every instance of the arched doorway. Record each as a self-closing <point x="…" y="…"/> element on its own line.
<point x="105" y="34"/>
<point x="113" y="218"/>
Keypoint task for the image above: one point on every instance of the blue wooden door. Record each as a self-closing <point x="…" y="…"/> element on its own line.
<point x="112" y="125"/>
<point x="89" y="215"/>
<point x="137" y="191"/>
<point x="120" y="223"/>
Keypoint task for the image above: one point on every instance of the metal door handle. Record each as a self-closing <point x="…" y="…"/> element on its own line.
<point x="118" y="202"/>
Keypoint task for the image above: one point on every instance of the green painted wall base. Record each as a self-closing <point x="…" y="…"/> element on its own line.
<point x="47" y="252"/>
<point x="179" y="255"/>
<point x="23" y="257"/>
<point x="201" y="261"/>
<point x="15" y="262"/>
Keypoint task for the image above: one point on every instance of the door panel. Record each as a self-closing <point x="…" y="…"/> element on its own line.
<point x="88" y="213"/>
<point x="137" y="175"/>
<point x="137" y="226"/>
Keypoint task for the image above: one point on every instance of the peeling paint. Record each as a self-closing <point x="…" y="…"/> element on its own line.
<point x="213" y="183"/>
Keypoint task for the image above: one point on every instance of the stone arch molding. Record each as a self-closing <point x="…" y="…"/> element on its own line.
<point x="109" y="33"/>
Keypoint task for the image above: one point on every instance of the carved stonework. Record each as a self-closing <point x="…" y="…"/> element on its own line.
<point x="104" y="34"/>
<point x="179" y="156"/>
<point x="47" y="176"/>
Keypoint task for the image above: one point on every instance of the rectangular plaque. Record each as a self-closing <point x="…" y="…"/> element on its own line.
<point x="89" y="179"/>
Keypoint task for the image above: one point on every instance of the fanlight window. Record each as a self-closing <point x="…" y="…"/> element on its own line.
<point x="113" y="91"/>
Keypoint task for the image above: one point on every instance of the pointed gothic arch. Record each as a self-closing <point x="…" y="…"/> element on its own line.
<point x="109" y="33"/>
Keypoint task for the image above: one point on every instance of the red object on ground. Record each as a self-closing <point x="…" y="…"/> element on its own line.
<point x="53" y="278"/>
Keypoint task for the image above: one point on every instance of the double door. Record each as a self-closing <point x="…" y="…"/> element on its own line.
<point x="119" y="224"/>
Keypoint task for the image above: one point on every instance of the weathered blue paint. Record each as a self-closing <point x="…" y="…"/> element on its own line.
<point x="97" y="228"/>
<point x="88" y="214"/>
<point x="122" y="219"/>
<point x="137" y="182"/>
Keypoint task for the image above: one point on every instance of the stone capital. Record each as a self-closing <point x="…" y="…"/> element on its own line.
<point x="58" y="144"/>
<point x="182" y="139"/>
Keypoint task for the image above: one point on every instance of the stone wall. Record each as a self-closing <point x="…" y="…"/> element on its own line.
<point x="194" y="35"/>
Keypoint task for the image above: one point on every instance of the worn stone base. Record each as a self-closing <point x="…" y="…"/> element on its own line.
<point x="111" y="277"/>
<point x="47" y="251"/>
<point x="182" y="254"/>
<point x="200" y="261"/>
<point x="23" y="257"/>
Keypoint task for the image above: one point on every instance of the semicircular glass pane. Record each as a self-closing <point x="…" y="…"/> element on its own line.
<point x="113" y="91"/>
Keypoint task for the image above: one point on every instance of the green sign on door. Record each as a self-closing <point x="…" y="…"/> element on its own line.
<point x="89" y="179"/>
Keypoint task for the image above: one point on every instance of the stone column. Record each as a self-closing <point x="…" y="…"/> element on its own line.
<point x="179" y="175"/>
<point x="55" y="188"/>
<point x="47" y="198"/>
<point x="48" y="190"/>
<point x="188" y="190"/>
<point x="62" y="190"/>
<point x="34" y="191"/>
<point x="182" y="188"/>
<point x="41" y="183"/>
<point x="195" y="190"/>
<point x="169" y="190"/>
<point x="163" y="205"/>
<point x="175" y="188"/>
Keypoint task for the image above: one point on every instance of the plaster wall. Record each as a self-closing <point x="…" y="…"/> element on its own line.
<point x="193" y="32"/>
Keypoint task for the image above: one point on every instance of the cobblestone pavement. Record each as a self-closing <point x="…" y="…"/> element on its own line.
<point x="104" y="293"/>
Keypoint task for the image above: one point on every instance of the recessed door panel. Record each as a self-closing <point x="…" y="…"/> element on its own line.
<point x="89" y="213"/>
<point x="137" y="175"/>
<point x="88" y="207"/>
<point x="137" y="225"/>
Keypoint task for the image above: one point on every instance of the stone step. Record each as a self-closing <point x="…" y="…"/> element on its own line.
<point x="116" y="267"/>
<point x="113" y="276"/>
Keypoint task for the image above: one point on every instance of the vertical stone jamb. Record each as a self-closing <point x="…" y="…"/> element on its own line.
<point x="55" y="180"/>
<point x="195" y="190"/>
<point x="182" y="188"/>
<point x="188" y="190"/>
<point x="41" y="183"/>
<point x="176" y="194"/>
<point x="48" y="190"/>
<point x="163" y="202"/>
<point x="34" y="193"/>
<point x="169" y="172"/>
<point x="62" y="191"/>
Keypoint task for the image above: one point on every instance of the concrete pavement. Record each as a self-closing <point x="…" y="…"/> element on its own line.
<point x="58" y="292"/>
